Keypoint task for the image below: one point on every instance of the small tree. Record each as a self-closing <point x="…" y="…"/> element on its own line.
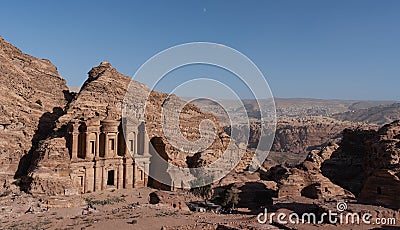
<point x="230" y="197"/>
<point x="206" y="191"/>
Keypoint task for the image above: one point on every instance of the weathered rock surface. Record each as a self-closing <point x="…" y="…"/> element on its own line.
<point x="173" y="201"/>
<point x="307" y="180"/>
<point x="33" y="96"/>
<point x="382" y="168"/>
<point x="106" y="87"/>
<point x="37" y="106"/>
<point x="301" y="135"/>
<point x="345" y="166"/>
<point x="365" y="164"/>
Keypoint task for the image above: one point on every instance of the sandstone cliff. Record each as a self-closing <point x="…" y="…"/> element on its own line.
<point x="307" y="179"/>
<point x="365" y="164"/>
<point x="345" y="166"/>
<point x="33" y="96"/>
<point x="106" y="87"/>
<point x="382" y="168"/>
<point x="301" y="135"/>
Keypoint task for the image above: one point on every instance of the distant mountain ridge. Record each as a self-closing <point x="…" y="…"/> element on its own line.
<point x="382" y="114"/>
<point x="306" y="124"/>
<point x="297" y="107"/>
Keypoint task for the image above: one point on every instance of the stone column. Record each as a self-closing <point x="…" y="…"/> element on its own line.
<point x="146" y="143"/>
<point x="74" y="146"/>
<point x="135" y="175"/>
<point x="115" y="176"/>
<point x="103" y="178"/>
<point x="97" y="144"/>
<point x="120" y="176"/>
<point x="85" y="182"/>
<point x="128" y="173"/>
<point x="145" y="173"/>
<point x="141" y="139"/>
<point x="106" y="147"/>
<point x="89" y="176"/>
<point x="98" y="177"/>
<point x="127" y="148"/>
<point x="75" y="133"/>
<point x="135" y="143"/>
<point x="88" y="150"/>
<point x="116" y="145"/>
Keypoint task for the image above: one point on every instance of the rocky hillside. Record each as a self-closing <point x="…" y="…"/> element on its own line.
<point x="301" y="135"/>
<point x="380" y="115"/>
<point x="106" y="87"/>
<point x="365" y="164"/>
<point x="33" y="95"/>
<point x="382" y="168"/>
<point x="307" y="179"/>
<point x="36" y="105"/>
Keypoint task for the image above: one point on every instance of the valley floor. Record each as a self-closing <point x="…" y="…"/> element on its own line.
<point x="130" y="209"/>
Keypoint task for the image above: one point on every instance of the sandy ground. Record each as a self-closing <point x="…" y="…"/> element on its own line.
<point x="134" y="212"/>
<point x="125" y="209"/>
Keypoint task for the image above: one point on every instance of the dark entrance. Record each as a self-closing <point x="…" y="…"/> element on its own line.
<point x="110" y="177"/>
<point x="92" y="147"/>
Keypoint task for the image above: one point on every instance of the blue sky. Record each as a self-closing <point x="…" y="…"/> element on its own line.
<point x="312" y="49"/>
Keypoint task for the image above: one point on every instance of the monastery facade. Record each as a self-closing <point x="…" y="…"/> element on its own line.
<point x="101" y="158"/>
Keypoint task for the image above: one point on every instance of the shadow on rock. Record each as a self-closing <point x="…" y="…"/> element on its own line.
<point x="46" y="126"/>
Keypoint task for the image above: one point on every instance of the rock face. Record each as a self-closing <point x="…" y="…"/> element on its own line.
<point x="345" y="166"/>
<point x="56" y="171"/>
<point x="33" y="96"/>
<point x="166" y="199"/>
<point x="382" y="168"/>
<point x="365" y="164"/>
<point x="307" y="180"/>
<point x="301" y="135"/>
<point x="52" y="160"/>
<point x="38" y="113"/>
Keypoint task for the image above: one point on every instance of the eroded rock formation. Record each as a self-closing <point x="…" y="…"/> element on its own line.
<point x="33" y="96"/>
<point x="38" y="114"/>
<point x="345" y="166"/>
<point x="382" y="168"/>
<point x="365" y="164"/>
<point x="300" y="135"/>
<point x="307" y="179"/>
<point x="56" y="171"/>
